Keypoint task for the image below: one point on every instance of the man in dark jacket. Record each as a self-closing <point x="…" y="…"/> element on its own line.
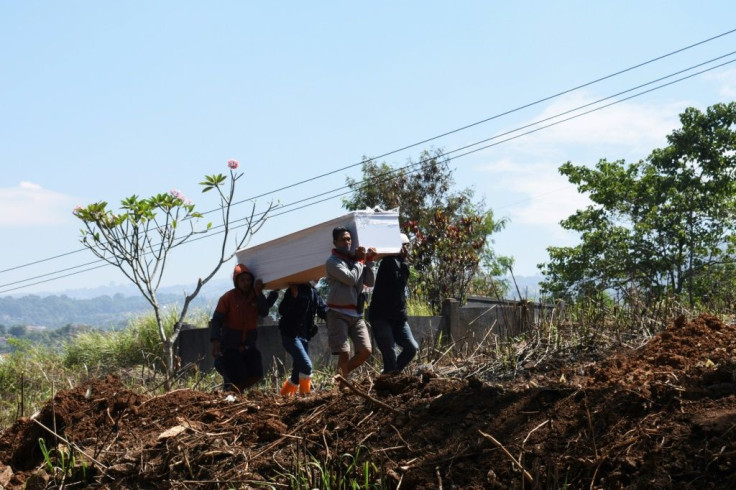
<point x="233" y="330"/>
<point x="387" y="311"/>
<point x="297" y="309"/>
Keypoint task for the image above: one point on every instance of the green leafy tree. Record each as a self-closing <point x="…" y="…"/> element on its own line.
<point x="450" y="232"/>
<point x="714" y="287"/>
<point x="139" y="239"/>
<point x="17" y="331"/>
<point x="486" y="281"/>
<point x="659" y="224"/>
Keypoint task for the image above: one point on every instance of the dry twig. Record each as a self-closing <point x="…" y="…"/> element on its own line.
<point x="358" y="392"/>
<point x="534" y="429"/>
<point x="402" y="439"/>
<point x="71" y="444"/>
<point x="590" y="424"/>
<point x="527" y="475"/>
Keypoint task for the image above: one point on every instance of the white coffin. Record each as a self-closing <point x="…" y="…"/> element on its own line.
<point x="300" y="256"/>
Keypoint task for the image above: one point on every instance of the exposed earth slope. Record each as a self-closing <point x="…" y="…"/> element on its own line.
<point x="660" y="416"/>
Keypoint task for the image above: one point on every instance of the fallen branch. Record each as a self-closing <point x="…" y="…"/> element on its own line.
<point x="527" y="475"/>
<point x="402" y="439"/>
<point x="534" y="429"/>
<point x="228" y="482"/>
<point x="358" y="392"/>
<point x="283" y="438"/>
<point x="71" y="444"/>
<point x="452" y="346"/>
<point x="327" y="446"/>
<point x="590" y="424"/>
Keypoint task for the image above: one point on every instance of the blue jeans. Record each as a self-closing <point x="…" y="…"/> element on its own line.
<point x="298" y="349"/>
<point x="390" y="334"/>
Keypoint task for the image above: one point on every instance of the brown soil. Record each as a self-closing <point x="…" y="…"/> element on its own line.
<point x="660" y="416"/>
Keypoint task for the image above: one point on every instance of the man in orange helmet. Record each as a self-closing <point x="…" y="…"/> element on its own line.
<point x="233" y="330"/>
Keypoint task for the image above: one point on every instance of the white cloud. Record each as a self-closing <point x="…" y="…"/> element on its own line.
<point x="726" y="80"/>
<point x="29" y="205"/>
<point x="29" y="186"/>
<point x="549" y="206"/>
<point x="534" y="194"/>
<point x="506" y="166"/>
<point x="524" y="179"/>
<point x="630" y="129"/>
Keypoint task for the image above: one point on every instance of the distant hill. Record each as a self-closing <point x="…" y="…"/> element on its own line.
<point x="528" y="287"/>
<point x="213" y="288"/>
<point x="106" y="307"/>
<point x="104" y="311"/>
<point x="113" y="306"/>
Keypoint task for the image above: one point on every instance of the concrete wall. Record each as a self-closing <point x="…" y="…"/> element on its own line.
<point x="479" y="321"/>
<point x="193" y="344"/>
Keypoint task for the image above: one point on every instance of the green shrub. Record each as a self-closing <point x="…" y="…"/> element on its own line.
<point x="29" y="376"/>
<point x="139" y="344"/>
<point x="32" y="373"/>
<point x="418" y="308"/>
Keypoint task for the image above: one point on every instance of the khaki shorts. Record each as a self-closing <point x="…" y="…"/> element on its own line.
<point x="341" y="327"/>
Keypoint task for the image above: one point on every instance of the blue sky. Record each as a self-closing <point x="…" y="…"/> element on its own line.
<point x="102" y="100"/>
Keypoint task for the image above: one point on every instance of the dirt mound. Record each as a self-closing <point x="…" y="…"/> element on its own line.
<point x="661" y="416"/>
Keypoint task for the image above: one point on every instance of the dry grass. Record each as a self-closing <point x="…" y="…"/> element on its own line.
<point x="32" y="374"/>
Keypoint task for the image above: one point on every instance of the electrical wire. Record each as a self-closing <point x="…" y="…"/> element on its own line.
<point x="414" y="164"/>
<point x="505" y="113"/>
<point x="427" y="140"/>
<point x="320" y="195"/>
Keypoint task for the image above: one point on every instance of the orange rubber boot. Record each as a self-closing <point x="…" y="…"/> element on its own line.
<point x="305" y="385"/>
<point x="289" y="388"/>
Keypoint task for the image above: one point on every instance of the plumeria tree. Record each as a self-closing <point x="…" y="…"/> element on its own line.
<point x="139" y="239"/>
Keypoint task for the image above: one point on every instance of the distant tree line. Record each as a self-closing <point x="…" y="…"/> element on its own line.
<point x="105" y="312"/>
<point x="52" y="338"/>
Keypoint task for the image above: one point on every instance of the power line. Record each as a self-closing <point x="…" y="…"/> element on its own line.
<point x="505" y="113"/>
<point x="434" y="138"/>
<point x="535" y="123"/>
<point x="421" y="162"/>
<point x="586" y="112"/>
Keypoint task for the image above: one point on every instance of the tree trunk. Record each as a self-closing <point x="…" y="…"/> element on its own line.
<point x="168" y="352"/>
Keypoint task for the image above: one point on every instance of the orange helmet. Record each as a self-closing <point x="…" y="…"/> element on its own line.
<point x="241" y="269"/>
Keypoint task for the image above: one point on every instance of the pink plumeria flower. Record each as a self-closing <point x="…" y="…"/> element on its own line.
<point x="77" y="209"/>
<point x="233" y="164"/>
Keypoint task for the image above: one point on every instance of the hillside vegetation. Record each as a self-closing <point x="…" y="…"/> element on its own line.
<point x="57" y="311"/>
